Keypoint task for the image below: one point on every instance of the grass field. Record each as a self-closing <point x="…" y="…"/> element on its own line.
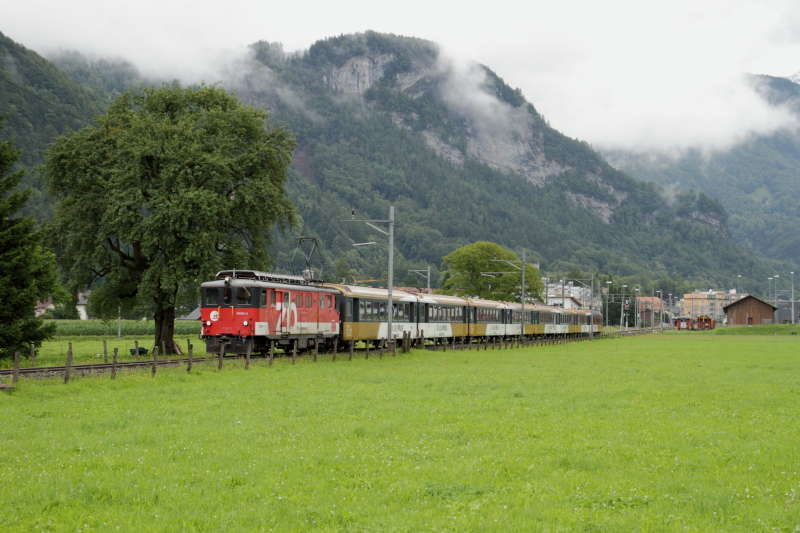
<point x="89" y="349"/>
<point x="658" y="433"/>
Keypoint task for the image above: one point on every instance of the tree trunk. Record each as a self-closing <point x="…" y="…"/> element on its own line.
<point x="165" y="328"/>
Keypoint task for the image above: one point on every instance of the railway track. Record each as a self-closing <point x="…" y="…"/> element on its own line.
<point x="100" y="367"/>
<point x="148" y="363"/>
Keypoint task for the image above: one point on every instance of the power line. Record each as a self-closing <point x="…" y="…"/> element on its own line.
<point x="48" y="102"/>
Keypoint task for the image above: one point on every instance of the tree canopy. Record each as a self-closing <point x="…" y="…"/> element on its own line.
<point x="465" y="268"/>
<point x="27" y="270"/>
<point x="171" y="186"/>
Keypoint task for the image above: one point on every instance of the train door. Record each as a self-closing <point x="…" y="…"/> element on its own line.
<point x="317" y="300"/>
<point x="285" y="309"/>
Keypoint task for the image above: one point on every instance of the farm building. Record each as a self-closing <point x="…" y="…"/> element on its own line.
<point x="749" y="311"/>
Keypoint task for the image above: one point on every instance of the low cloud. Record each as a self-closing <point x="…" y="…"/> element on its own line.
<point x="643" y="76"/>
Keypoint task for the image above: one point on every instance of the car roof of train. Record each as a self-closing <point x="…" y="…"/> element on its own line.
<point x="237" y="282"/>
<point x="354" y="291"/>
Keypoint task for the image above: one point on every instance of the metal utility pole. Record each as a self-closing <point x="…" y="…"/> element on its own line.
<point x="622" y="308"/>
<point x="390" y="233"/>
<point x="608" y="296"/>
<point x="522" y="268"/>
<point x="426" y="276"/>
<point x="591" y="310"/>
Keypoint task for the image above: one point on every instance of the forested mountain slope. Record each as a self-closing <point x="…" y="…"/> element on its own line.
<point x="757" y="181"/>
<point x="463" y="157"/>
<point x="383" y="119"/>
<point x="39" y="101"/>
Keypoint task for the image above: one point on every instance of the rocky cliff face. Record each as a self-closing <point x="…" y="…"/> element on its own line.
<point x="490" y="131"/>
<point x="358" y="74"/>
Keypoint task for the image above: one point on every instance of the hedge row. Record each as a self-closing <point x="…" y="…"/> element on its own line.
<point x="129" y="327"/>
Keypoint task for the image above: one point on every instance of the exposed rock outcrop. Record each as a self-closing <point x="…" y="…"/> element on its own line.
<point x="358" y="74"/>
<point x="602" y="209"/>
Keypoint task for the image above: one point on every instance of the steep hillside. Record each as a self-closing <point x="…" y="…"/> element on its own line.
<point x="39" y="101"/>
<point x="386" y="120"/>
<point x="757" y="181"/>
<point x="465" y="157"/>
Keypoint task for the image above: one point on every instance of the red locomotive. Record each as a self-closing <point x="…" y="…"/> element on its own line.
<point x="248" y="307"/>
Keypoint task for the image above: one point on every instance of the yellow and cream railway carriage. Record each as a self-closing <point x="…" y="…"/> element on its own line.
<point x="363" y="313"/>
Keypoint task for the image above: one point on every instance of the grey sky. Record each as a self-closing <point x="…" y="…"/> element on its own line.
<point x="620" y="74"/>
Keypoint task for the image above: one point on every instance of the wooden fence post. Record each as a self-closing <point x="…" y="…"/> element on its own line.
<point x="221" y="355"/>
<point x="190" y="351"/>
<point x="294" y="350"/>
<point x="155" y="360"/>
<point x="271" y="352"/>
<point x="105" y="351"/>
<point x="247" y="357"/>
<point x="69" y="364"/>
<point x="33" y="354"/>
<point x="15" y="378"/>
<point x="351" y="350"/>
<point x="316" y="350"/>
<point x="136" y="348"/>
<point x="114" y="365"/>
<point x="366" y="345"/>
<point x="335" y="347"/>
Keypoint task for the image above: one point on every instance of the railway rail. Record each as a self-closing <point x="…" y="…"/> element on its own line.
<point x="46" y="371"/>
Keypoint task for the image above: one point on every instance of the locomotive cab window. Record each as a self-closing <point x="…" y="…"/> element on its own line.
<point x="308" y="300"/>
<point x="263" y="302"/>
<point x="243" y="296"/>
<point x="272" y="298"/>
<point x="227" y="296"/>
<point x="211" y="297"/>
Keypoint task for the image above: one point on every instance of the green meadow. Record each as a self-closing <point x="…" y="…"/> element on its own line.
<point x="652" y="433"/>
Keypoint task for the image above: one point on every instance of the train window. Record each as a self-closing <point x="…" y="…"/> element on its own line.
<point x="227" y="296"/>
<point x="263" y="302"/>
<point x="407" y="314"/>
<point x="211" y="297"/>
<point x="369" y="311"/>
<point x="308" y="300"/>
<point x="285" y="299"/>
<point x="272" y="298"/>
<point x="362" y="311"/>
<point x="349" y="312"/>
<point x="243" y="296"/>
<point x="383" y="311"/>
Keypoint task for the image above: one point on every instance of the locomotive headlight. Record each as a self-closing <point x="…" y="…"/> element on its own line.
<point x="245" y="322"/>
<point x="208" y="322"/>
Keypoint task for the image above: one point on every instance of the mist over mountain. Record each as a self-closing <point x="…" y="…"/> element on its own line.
<point x="462" y="156"/>
<point x="757" y="181"/>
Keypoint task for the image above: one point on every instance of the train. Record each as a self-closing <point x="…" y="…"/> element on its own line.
<point x="249" y="310"/>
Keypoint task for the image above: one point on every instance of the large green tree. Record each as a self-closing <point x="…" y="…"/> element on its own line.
<point x="27" y="269"/>
<point x="172" y="185"/>
<point x="465" y="268"/>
